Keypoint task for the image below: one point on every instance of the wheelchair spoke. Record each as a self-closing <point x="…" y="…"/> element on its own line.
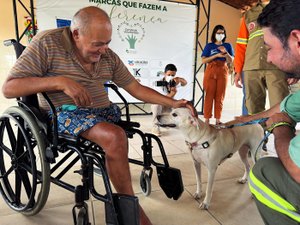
<point x="19" y="148"/>
<point x="13" y="151"/>
<point x="18" y="187"/>
<point x="4" y="184"/>
<point x="7" y="150"/>
<point x="2" y="126"/>
<point x="5" y="174"/>
<point x="37" y="174"/>
<point x="7" y="189"/>
<point x="25" y="167"/>
<point x="10" y="133"/>
<point x="24" y="157"/>
<point x="26" y="183"/>
<point x="11" y="136"/>
<point x="4" y="178"/>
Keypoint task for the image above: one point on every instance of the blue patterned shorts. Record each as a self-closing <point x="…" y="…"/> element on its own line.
<point x="75" y="120"/>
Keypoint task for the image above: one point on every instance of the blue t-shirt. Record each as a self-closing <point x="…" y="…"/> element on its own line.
<point x="212" y="49"/>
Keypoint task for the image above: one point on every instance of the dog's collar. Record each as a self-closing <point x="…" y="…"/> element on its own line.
<point x="203" y="145"/>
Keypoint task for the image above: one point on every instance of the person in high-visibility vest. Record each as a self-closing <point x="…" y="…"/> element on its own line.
<point x="275" y="181"/>
<point x="260" y="76"/>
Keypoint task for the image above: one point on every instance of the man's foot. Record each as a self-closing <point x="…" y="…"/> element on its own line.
<point x="156" y="131"/>
<point x="207" y="121"/>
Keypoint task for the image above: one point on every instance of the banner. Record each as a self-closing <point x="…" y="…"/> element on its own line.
<point x="147" y="35"/>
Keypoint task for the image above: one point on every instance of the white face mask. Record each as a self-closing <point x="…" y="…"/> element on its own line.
<point x="220" y="37"/>
<point x="168" y="78"/>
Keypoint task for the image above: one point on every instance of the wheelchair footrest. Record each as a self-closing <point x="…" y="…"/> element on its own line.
<point x="126" y="210"/>
<point x="170" y="181"/>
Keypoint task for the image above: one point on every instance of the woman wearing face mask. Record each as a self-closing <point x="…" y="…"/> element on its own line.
<point x="216" y="54"/>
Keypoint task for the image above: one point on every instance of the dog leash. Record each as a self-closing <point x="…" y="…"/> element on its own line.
<point x="269" y="131"/>
<point x="262" y="120"/>
<point x="267" y="134"/>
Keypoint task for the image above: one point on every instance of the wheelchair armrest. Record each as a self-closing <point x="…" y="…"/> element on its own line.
<point x="128" y="124"/>
<point x="116" y="90"/>
<point x="19" y="48"/>
<point x="112" y="86"/>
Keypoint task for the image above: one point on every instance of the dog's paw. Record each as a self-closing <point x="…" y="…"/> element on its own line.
<point x="197" y="195"/>
<point x="242" y="180"/>
<point x="203" y="206"/>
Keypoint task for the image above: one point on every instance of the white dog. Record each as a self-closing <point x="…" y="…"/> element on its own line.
<point x="212" y="146"/>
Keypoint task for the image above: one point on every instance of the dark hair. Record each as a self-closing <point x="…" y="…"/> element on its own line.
<point x="171" y="67"/>
<point x="213" y="35"/>
<point x="281" y="16"/>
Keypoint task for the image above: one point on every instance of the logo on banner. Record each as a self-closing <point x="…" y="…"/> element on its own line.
<point x="138" y="62"/>
<point x="130" y="62"/>
<point x="132" y="34"/>
<point x="136" y="72"/>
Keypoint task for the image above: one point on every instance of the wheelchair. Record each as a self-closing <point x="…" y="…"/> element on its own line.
<point x="30" y="162"/>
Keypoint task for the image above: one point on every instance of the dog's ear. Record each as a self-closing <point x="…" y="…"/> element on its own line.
<point x="195" y="122"/>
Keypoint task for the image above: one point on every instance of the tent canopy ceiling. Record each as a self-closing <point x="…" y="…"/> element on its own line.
<point x="238" y="4"/>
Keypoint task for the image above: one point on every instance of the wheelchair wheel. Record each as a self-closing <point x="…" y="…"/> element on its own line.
<point x="24" y="172"/>
<point x="145" y="183"/>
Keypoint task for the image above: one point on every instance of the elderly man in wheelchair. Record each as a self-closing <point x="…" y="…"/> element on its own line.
<point x="67" y="68"/>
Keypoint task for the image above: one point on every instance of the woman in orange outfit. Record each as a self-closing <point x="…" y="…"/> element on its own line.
<point x="216" y="54"/>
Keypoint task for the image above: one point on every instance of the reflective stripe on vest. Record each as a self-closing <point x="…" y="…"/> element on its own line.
<point x="256" y="33"/>
<point x="242" y="41"/>
<point x="271" y="199"/>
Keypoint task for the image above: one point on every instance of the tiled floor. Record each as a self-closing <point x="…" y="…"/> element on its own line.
<point x="231" y="202"/>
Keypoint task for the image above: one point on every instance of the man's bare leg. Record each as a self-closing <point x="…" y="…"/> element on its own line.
<point x="113" y="140"/>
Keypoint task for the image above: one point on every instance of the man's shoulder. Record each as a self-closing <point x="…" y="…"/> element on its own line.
<point x="49" y="33"/>
<point x="53" y="31"/>
<point x="110" y="54"/>
<point x="253" y="13"/>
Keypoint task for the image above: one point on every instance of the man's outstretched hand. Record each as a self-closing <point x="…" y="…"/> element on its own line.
<point x="185" y="103"/>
